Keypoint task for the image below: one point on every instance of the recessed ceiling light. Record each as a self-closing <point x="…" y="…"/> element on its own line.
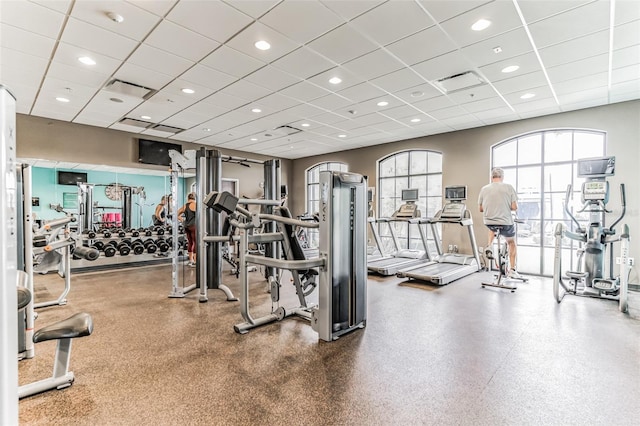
<point x="510" y="68"/>
<point x="262" y="45"/>
<point x="305" y="124"/>
<point x="480" y="25"/>
<point x="383" y="103"/>
<point x="417" y="94"/>
<point x="256" y="110"/>
<point x="145" y="117"/>
<point x="206" y="129"/>
<point x="187" y="90"/>
<point x="335" y="80"/>
<point x="342" y="136"/>
<point x="86" y="60"/>
<point x="527" y="96"/>
<point x="415" y="120"/>
<point x="254" y="139"/>
<point x="61" y="99"/>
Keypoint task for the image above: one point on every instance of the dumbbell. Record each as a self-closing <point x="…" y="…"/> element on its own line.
<point x="159" y="230"/>
<point x="98" y="245"/>
<point x="123" y="248"/>
<point x="90" y="234"/>
<point x="150" y="245"/>
<point x="122" y="233"/>
<point x="87" y="253"/>
<point x="135" y="233"/>
<point x="106" y="234"/>
<point x="109" y="250"/>
<point x="137" y="247"/>
<point x="148" y="232"/>
<point x="162" y="245"/>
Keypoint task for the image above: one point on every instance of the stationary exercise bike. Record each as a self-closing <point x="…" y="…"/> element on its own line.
<point x="595" y="240"/>
<point x="501" y="279"/>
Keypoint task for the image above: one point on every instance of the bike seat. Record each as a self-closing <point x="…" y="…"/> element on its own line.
<point x="577" y="275"/>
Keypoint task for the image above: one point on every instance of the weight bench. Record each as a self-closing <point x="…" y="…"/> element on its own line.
<point x="78" y="325"/>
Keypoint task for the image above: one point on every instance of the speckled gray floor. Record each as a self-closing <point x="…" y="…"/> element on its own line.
<point x="453" y="355"/>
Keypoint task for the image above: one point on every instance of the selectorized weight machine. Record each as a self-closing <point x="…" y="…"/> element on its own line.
<point x="342" y="275"/>
<point x="595" y="238"/>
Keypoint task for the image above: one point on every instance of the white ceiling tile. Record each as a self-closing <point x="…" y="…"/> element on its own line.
<point x="245" y="43"/>
<point x="301" y="21"/>
<point x="390" y="126"/>
<point x="573" y="50"/>
<point x="432" y="104"/>
<point x="253" y="8"/>
<point x="21" y="67"/>
<point x="246" y="90"/>
<point x="207" y="77"/>
<point x="534" y="10"/>
<point x="361" y="92"/>
<point x="333" y="47"/>
<point x="157" y="7"/>
<point x="225" y="100"/>
<point x="330" y="102"/>
<point x="418" y="93"/>
<point x="175" y="89"/>
<point x="462" y="122"/>
<point x="102" y="106"/>
<point x="512" y="43"/>
<point x="399" y="112"/>
<point x="472" y="95"/>
<point x="593" y="65"/>
<point x="302" y="112"/>
<point x="576" y="22"/>
<point x="441" y="10"/>
<point x="61" y="6"/>
<point x="149" y="57"/>
<point x="68" y="54"/>
<point x="136" y="24"/>
<point x="303" y="63"/>
<point x="349" y="9"/>
<point x="521" y="82"/>
<point x="348" y="79"/>
<point x="374" y="64"/>
<point x="623" y="74"/>
<point x="627" y="56"/>
<point x="272" y="78"/>
<point x="426" y="44"/>
<point x="25" y="95"/>
<point x="374" y="24"/>
<point x="46" y="106"/>
<point x="197" y="113"/>
<point x="528" y="63"/>
<point x="32" y="17"/>
<point x="503" y="17"/>
<point x="96" y="39"/>
<point x="68" y="89"/>
<point x="326" y="119"/>
<point x="585" y="95"/>
<point x="625" y="91"/>
<point x="627" y="10"/>
<point x="397" y="80"/>
<point x="484" y="104"/>
<point x="141" y="76"/>
<point x="582" y="83"/>
<point x="304" y="91"/>
<point x="212" y="19"/>
<point x="626" y="35"/>
<point x="443" y="66"/>
<point x="26" y="41"/>
<point x="496" y="113"/>
<point x="534" y="105"/>
<point x="180" y="41"/>
<point x="276" y="101"/>
<point x="453" y="111"/>
<point x="232" y="62"/>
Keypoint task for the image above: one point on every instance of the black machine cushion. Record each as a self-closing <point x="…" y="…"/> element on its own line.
<point x="298" y="253"/>
<point x="24" y="297"/>
<point x="78" y="325"/>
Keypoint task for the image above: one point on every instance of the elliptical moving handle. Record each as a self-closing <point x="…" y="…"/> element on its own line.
<point x="566" y="206"/>
<point x="623" y="200"/>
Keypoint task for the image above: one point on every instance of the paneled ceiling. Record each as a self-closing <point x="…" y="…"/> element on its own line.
<point x="407" y="68"/>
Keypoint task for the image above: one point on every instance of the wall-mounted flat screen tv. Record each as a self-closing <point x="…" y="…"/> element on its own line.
<point x="154" y="152"/>
<point x="71" y="178"/>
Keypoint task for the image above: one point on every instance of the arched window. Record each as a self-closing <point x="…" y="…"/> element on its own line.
<point x="313" y="191"/>
<point x="421" y="169"/>
<point x="540" y="165"/>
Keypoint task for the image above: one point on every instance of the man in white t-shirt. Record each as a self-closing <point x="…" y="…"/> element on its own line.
<point x="496" y="202"/>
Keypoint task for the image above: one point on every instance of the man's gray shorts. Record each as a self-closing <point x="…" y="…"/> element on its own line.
<point x="508" y="231"/>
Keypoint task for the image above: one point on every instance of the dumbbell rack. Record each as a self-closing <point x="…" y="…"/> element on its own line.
<point x="128" y="247"/>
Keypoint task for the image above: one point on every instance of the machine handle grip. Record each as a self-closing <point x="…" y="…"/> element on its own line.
<point x="623" y="200"/>
<point x="566" y="206"/>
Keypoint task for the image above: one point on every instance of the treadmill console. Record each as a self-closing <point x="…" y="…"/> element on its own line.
<point x="409" y="209"/>
<point x="455" y="207"/>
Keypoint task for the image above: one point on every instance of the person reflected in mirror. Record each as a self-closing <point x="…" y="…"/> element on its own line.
<point x="187" y="215"/>
<point x="160" y="214"/>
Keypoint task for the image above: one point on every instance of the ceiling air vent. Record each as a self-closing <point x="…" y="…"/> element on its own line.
<point x="135" y="123"/>
<point x="286" y="130"/>
<point x="130" y="89"/>
<point x="167" y="129"/>
<point x="458" y="82"/>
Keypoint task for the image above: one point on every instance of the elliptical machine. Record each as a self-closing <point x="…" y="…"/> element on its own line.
<point x="596" y="239"/>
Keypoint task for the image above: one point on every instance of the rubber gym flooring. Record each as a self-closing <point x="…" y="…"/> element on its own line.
<point x="452" y="355"/>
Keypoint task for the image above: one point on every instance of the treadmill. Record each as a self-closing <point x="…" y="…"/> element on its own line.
<point x="390" y="264"/>
<point x="448" y="267"/>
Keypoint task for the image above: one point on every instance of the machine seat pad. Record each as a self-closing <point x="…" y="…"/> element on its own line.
<point x="577" y="275"/>
<point x="78" y="325"/>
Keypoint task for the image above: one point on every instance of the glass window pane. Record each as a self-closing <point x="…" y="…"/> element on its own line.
<point x="528" y="260"/>
<point x="313" y="192"/>
<point x="388" y="167"/>
<point x="433" y="205"/>
<point x="387" y="188"/>
<point x="504" y="154"/>
<point x="557" y="146"/>
<point x="314" y="175"/>
<point x="402" y="164"/>
<point x="435" y="162"/>
<point x="556" y="178"/>
<point x="322" y="167"/>
<point x="530" y="149"/>
<point x="401" y="183"/>
<point x="434" y="185"/>
<point x="528" y="180"/>
<point x="510" y="176"/>
<point x="418" y="162"/>
<point x="419" y="182"/>
<point x="588" y="145"/>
